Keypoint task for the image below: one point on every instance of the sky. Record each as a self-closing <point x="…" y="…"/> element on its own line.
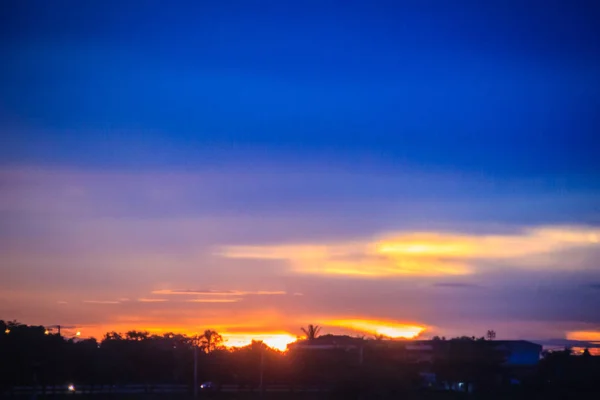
<point x="408" y="168"/>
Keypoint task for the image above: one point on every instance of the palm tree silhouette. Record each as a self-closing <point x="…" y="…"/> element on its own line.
<point x="311" y="331"/>
<point x="491" y="334"/>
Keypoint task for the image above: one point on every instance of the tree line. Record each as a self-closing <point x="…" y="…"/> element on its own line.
<point x="33" y="356"/>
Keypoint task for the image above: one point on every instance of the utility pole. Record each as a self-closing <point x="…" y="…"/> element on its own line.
<point x="361" y="354"/>
<point x="262" y="368"/>
<point x="195" y="367"/>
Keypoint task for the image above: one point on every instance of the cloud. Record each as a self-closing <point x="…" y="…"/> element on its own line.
<point x="456" y="285"/>
<point x="425" y="253"/>
<point x="391" y="329"/>
<point x="588" y="336"/>
<point x="147" y="300"/>
<point x="188" y="292"/>
<point x="595" y="286"/>
<point x="225" y="300"/>
<point x="101" y="302"/>
<point x="61" y="302"/>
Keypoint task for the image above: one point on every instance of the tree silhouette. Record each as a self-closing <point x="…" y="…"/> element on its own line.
<point x="311" y="331"/>
<point x="137" y="335"/>
<point x="210" y="340"/>
<point x="491" y="334"/>
<point x="586" y="353"/>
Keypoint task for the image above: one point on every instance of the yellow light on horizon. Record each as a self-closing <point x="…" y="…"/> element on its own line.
<point x="78" y="333"/>
<point x="277" y="341"/>
<point x="386" y="328"/>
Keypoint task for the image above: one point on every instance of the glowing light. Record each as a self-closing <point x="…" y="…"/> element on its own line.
<point x="7" y="331"/>
<point x="78" y="333"/>
<point x="71" y="388"/>
<point x="586" y="336"/>
<point x="46" y="332"/>
<point x="387" y="328"/>
<point x="277" y="341"/>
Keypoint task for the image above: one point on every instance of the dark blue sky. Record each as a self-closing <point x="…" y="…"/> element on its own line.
<point x="234" y="145"/>
<point x="498" y="87"/>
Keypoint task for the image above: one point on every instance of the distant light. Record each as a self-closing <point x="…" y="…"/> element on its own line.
<point x="71" y="388"/>
<point x="78" y="333"/>
<point x="46" y="332"/>
<point x="7" y="331"/>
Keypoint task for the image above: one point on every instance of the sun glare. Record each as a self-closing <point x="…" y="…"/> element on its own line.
<point x="277" y="341"/>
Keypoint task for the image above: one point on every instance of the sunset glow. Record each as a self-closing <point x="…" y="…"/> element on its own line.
<point x="277" y="340"/>
<point x="588" y="336"/>
<point x="386" y="328"/>
<point x="420" y="254"/>
<point x="399" y="169"/>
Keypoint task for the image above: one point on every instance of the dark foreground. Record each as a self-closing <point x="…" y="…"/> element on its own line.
<point x="339" y="393"/>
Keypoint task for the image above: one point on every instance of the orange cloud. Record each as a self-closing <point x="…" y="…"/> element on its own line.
<point x="421" y="254"/>
<point x="390" y="329"/>
<point x="587" y="336"/>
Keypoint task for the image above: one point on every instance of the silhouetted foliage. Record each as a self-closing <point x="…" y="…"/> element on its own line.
<point x="210" y="341"/>
<point x="349" y="366"/>
<point x="312" y="331"/>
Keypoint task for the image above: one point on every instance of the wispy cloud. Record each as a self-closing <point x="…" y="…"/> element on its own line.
<point x="101" y="301"/>
<point x="456" y="285"/>
<point x="422" y="254"/>
<point x="222" y="300"/>
<point x="147" y="300"/>
<point x="217" y="292"/>
<point x="61" y="302"/>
